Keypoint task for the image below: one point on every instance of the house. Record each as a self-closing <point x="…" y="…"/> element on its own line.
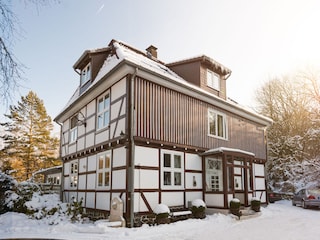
<point x="149" y="133"/>
<point x="49" y="179"/>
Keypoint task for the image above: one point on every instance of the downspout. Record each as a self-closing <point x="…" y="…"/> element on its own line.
<point x="62" y="169"/>
<point x="132" y="146"/>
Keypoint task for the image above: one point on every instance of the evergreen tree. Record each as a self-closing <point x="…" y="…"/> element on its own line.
<point x="28" y="144"/>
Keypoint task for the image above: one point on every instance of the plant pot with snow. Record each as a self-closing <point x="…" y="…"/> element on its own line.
<point x="255" y="204"/>
<point x="162" y="212"/>
<point x="198" y="209"/>
<point x="235" y="207"/>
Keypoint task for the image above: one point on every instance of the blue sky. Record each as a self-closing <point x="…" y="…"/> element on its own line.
<point x="255" y="39"/>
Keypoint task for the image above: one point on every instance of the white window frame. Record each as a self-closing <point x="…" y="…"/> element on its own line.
<point x="172" y="170"/>
<point x="214" y="174"/>
<point x="73" y="133"/>
<point x="85" y="74"/>
<point x="73" y="175"/>
<point x="103" y="170"/>
<point x="213" y="80"/>
<point x="103" y="111"/>
<point x="219" y="120"/>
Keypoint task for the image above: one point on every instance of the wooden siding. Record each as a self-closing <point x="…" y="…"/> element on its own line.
<point x="168" y="116"/>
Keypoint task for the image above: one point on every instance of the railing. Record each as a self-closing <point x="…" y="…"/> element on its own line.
<point x="48" y="188"/>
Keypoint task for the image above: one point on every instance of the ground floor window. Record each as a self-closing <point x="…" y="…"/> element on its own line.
<point x="73" y="174"/>
<point x="172" y="169"/>
<point x="103" y="169"/>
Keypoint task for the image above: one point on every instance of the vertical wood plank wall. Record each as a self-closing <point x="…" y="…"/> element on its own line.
<point x="166" y="115"/>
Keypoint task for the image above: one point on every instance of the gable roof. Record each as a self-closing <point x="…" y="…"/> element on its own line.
<point x="119" y="52"/>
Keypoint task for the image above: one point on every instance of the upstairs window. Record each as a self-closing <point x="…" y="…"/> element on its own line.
<point x="103" y="111"/>
<point x="217" y="124"/>
<point x="85" y="74"/>
<point x="73" y="128"/>
<point x="213" y="80"/>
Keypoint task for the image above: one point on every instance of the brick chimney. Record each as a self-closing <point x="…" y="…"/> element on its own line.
<point x="152" y="51"/>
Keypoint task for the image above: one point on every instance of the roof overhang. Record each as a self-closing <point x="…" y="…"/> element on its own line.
<point x="227" y="150"/>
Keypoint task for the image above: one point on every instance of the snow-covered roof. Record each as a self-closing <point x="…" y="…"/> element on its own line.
<point x="119" y="52"/>
<point x="225" y="149"/>
<point x="50" y="170"/>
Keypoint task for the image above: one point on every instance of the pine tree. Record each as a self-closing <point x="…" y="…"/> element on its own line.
<point x="28" y="144"/>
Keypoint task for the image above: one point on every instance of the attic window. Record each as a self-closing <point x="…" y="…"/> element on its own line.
<point x="213" y="80"/>
<point x="85" y="74"/>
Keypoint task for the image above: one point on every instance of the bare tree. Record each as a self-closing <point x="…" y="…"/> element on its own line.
<point x="11" y="70"/>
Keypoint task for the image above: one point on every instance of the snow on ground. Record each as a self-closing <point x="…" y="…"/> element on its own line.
<point x="277" y="221"/>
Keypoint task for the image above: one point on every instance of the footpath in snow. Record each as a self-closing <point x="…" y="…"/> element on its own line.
<point x="277" y="221"/>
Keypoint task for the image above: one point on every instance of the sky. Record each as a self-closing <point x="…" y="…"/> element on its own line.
<point x="257" y="40"/>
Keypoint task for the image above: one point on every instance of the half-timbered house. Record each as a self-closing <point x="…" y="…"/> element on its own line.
<point x="150" y="133"/>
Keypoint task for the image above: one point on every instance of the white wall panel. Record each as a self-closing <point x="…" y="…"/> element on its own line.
<point x="259" y="169"/>
<point x="119" y="179"/>
<point x="260" y="183"/>
<point x="190" y="196"/>
<point x="90" y="199"/>
<point x="118" y="89"/>
<point x="214" y="200"/>
<point x="102" y="136"/>
<point x="91" y="108"/>
<point x="82" y="165"/>
<point x="82" y="180"/>
<point x="90" y="140"/>
<point x="146" y="156"/>
<point x="146" y="179"/>
<point x="119" y="157"/>
<point x="103" y="201"/>
<point x="172" y="198"/>
<point x="80" y="143"/>
<point x="91" y="181"/>
<point x="193" y="180"/>
<point x="92" y="163"/>
<point x="193" y="162"/>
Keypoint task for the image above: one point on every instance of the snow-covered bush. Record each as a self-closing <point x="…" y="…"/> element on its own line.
<point x="162" y="212"/>
<point x="75" y="210"/>
<point x="16" y="199"/>
<point x="235" y="207"/>
<point x="255" y="204"/>
<point x="7" y="183"/>
<point x="198" y="208"/>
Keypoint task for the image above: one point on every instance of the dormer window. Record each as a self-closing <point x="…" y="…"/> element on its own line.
<point x="213" y="80"/>
<point x="85" y="74"/>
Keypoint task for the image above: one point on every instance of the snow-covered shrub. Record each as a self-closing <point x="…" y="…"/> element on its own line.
<point x="75" y="210"/>
<point x="7" y="183"/>
<point x="162" y="212"/>
<point x="15" y="200"/>
<point x="198" y="208"/>
<point x="235" y="207"/>
<point x="255" y="204"/>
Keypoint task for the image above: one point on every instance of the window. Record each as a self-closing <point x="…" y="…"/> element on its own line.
<point x="213" y="80"/>
<point x="217" y="124"/>
<point x="103" y="111"/>
<point x="74" y="128"/>
<point x="85" y="74"/>
<point x="214" y="180"/>
<point x="73" y="174"/>
<point x="172" y="170"/>
<point x="103" y="170"/>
